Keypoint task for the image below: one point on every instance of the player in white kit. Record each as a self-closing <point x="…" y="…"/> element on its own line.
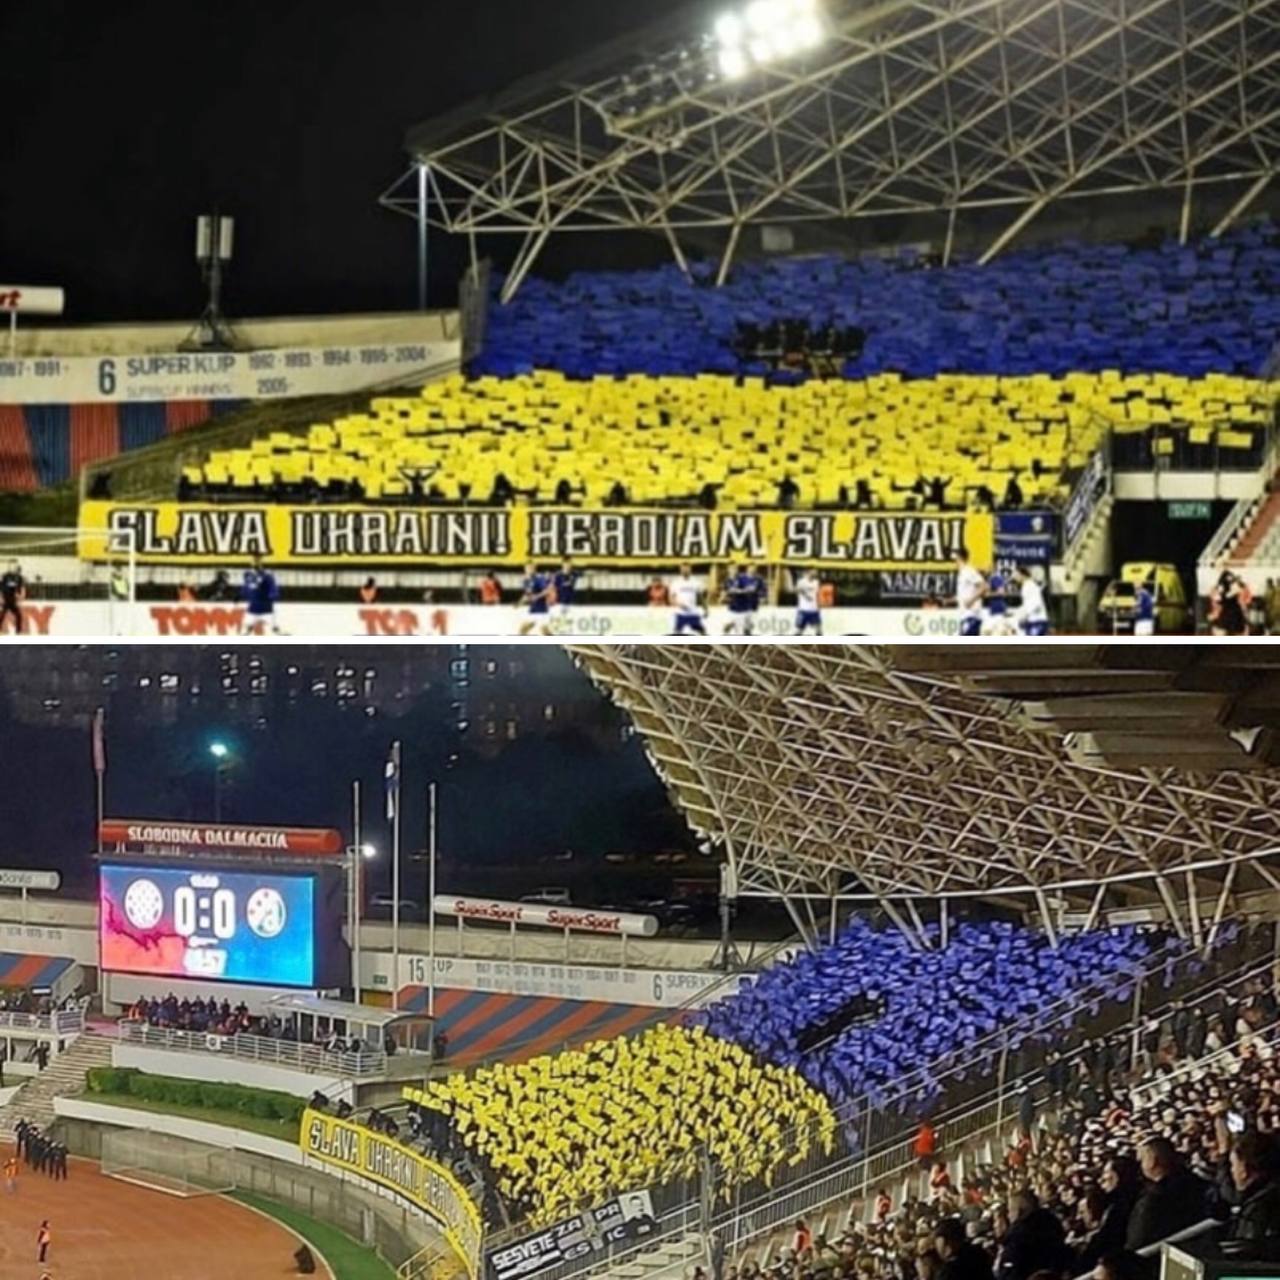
<point x="971" y="587"/>
<point x="808" y="608"/>
<point x="685" y="593"/>
<point x="1031" y="615"/>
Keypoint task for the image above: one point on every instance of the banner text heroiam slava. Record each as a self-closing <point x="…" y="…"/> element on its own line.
<point x="174" y="533"/>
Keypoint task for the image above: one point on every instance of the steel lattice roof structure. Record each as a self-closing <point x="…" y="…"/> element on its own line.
<point x="936" y="107"/>
<point x="865" y="772"/>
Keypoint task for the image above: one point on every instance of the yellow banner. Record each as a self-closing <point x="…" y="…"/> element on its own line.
<point x="424" y="1183"/>
<point x="225" y="536"/>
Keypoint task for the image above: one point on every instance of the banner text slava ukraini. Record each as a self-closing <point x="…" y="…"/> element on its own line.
<point x="184" y="534"/>
<point x="424" y="1183"/>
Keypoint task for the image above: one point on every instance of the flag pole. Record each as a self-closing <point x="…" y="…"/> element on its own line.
<point x="431" y="905"/>
<point x="100" y="764"/>
<point x="357" y="869"/>
<point x="395" y="877"/>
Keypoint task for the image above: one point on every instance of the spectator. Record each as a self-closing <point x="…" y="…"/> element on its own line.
<point x="369" y="591"/>
<point x="490" y="589"/>
<point x="926" y="1143"/>
<point x="1255" y="1172"/>
<point x="961" y="1258"/>
<point x="1173" y="1199"/>
<point x="1035" y="1240"/>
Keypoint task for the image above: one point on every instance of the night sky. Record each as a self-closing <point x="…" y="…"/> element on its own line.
<point x="127" y="119"/>
<point x="530" y="759"/>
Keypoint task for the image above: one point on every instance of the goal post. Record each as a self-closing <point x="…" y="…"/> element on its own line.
<point x="65" y="594"/>
<point x="175" y="1166"/>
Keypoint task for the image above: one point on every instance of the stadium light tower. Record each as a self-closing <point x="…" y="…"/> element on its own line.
<point x="652" y="97"/>
<point x="766" y="32"/>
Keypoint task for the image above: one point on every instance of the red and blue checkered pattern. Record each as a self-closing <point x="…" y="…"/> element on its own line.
<point x="480" y="1025"/>
<point x="42" y="445"/>
<point x="31" y="971"/>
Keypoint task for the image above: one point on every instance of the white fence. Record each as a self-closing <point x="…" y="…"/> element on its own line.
<point x="64" y="1022"/>
<point x="370" y="1064"/>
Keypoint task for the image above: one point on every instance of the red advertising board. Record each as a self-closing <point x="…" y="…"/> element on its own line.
<point x="223" y="838"/>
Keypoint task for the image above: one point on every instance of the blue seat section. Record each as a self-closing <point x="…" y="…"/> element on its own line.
<point x="1209" y="307"/>
<point x="142" y="424"/>
<point x="935" y="1005"/>
<point x="49" y="427"/>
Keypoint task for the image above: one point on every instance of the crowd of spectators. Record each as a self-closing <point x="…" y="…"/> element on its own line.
<point x="937" y="1004"/>
<point x="220" y="1018"/>
<point x="1184" y="1133"/>
<point x="564" y="1130"/>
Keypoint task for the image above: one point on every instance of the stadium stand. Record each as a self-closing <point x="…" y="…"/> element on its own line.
<point x="472" y="1026"/>
<point x="681" y="392"/>
<point x="633" y="1111"/>
<point x="562" y="1130"/>
<point x="933" y="1003"/>
<point x="1211" y="306"/>
<point x="879" y="442"/>
<point x="42" y="445"/>
<point x="1080" y="1161"/>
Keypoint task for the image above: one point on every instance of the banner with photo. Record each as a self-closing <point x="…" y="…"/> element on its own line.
<point x="599" y="1231"/>
<point x="172" y="533"/>
<point x="1026" y="537"/>
<point x="409" y="1174"/>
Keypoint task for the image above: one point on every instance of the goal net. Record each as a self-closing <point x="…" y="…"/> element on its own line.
<point x="62" y="594"/>
<point x="172" y="1165"/>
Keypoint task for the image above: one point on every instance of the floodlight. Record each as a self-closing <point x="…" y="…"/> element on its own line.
<point x="763" y="16"/>
<point x="807" y="32"/>
<point x="762" y="50"/>
<point x="734" y="63"/>
<point x="729" y="29"/>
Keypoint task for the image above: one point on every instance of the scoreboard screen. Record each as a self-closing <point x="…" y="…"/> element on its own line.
<point x="209" y="925"/>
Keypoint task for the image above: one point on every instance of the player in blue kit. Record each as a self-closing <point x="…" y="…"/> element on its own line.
<point x="998" y="622"/>
<point x="538" y="590"/>
<point x="1144" y="609"/>
<point x="566" y="589"/>
<point x="743" y="593"/>
<point x="260" y="591"/>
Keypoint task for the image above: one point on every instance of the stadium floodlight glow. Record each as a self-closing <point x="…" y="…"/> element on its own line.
<point x="765" y="32"/>
<point x="734" y="63"/>
<point x="729" y="30"/>
<point x="219" y="750"/>
<point x="368" y="851"/>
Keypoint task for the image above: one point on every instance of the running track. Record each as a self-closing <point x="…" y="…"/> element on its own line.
<point x="104" y="1229"/>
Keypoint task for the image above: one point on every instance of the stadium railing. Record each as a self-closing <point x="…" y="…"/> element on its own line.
<point x="63" y="1022"/>
<point x="367" y="1064"/>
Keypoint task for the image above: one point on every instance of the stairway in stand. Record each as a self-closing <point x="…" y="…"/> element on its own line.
<point x="64" y="1075"/>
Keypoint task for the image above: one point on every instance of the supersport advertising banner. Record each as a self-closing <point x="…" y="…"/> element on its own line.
<point x="250" y="927"/>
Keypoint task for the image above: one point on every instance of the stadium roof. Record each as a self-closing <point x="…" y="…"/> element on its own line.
<point x="940" y="107"/>
<point x="893" y="774"/>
